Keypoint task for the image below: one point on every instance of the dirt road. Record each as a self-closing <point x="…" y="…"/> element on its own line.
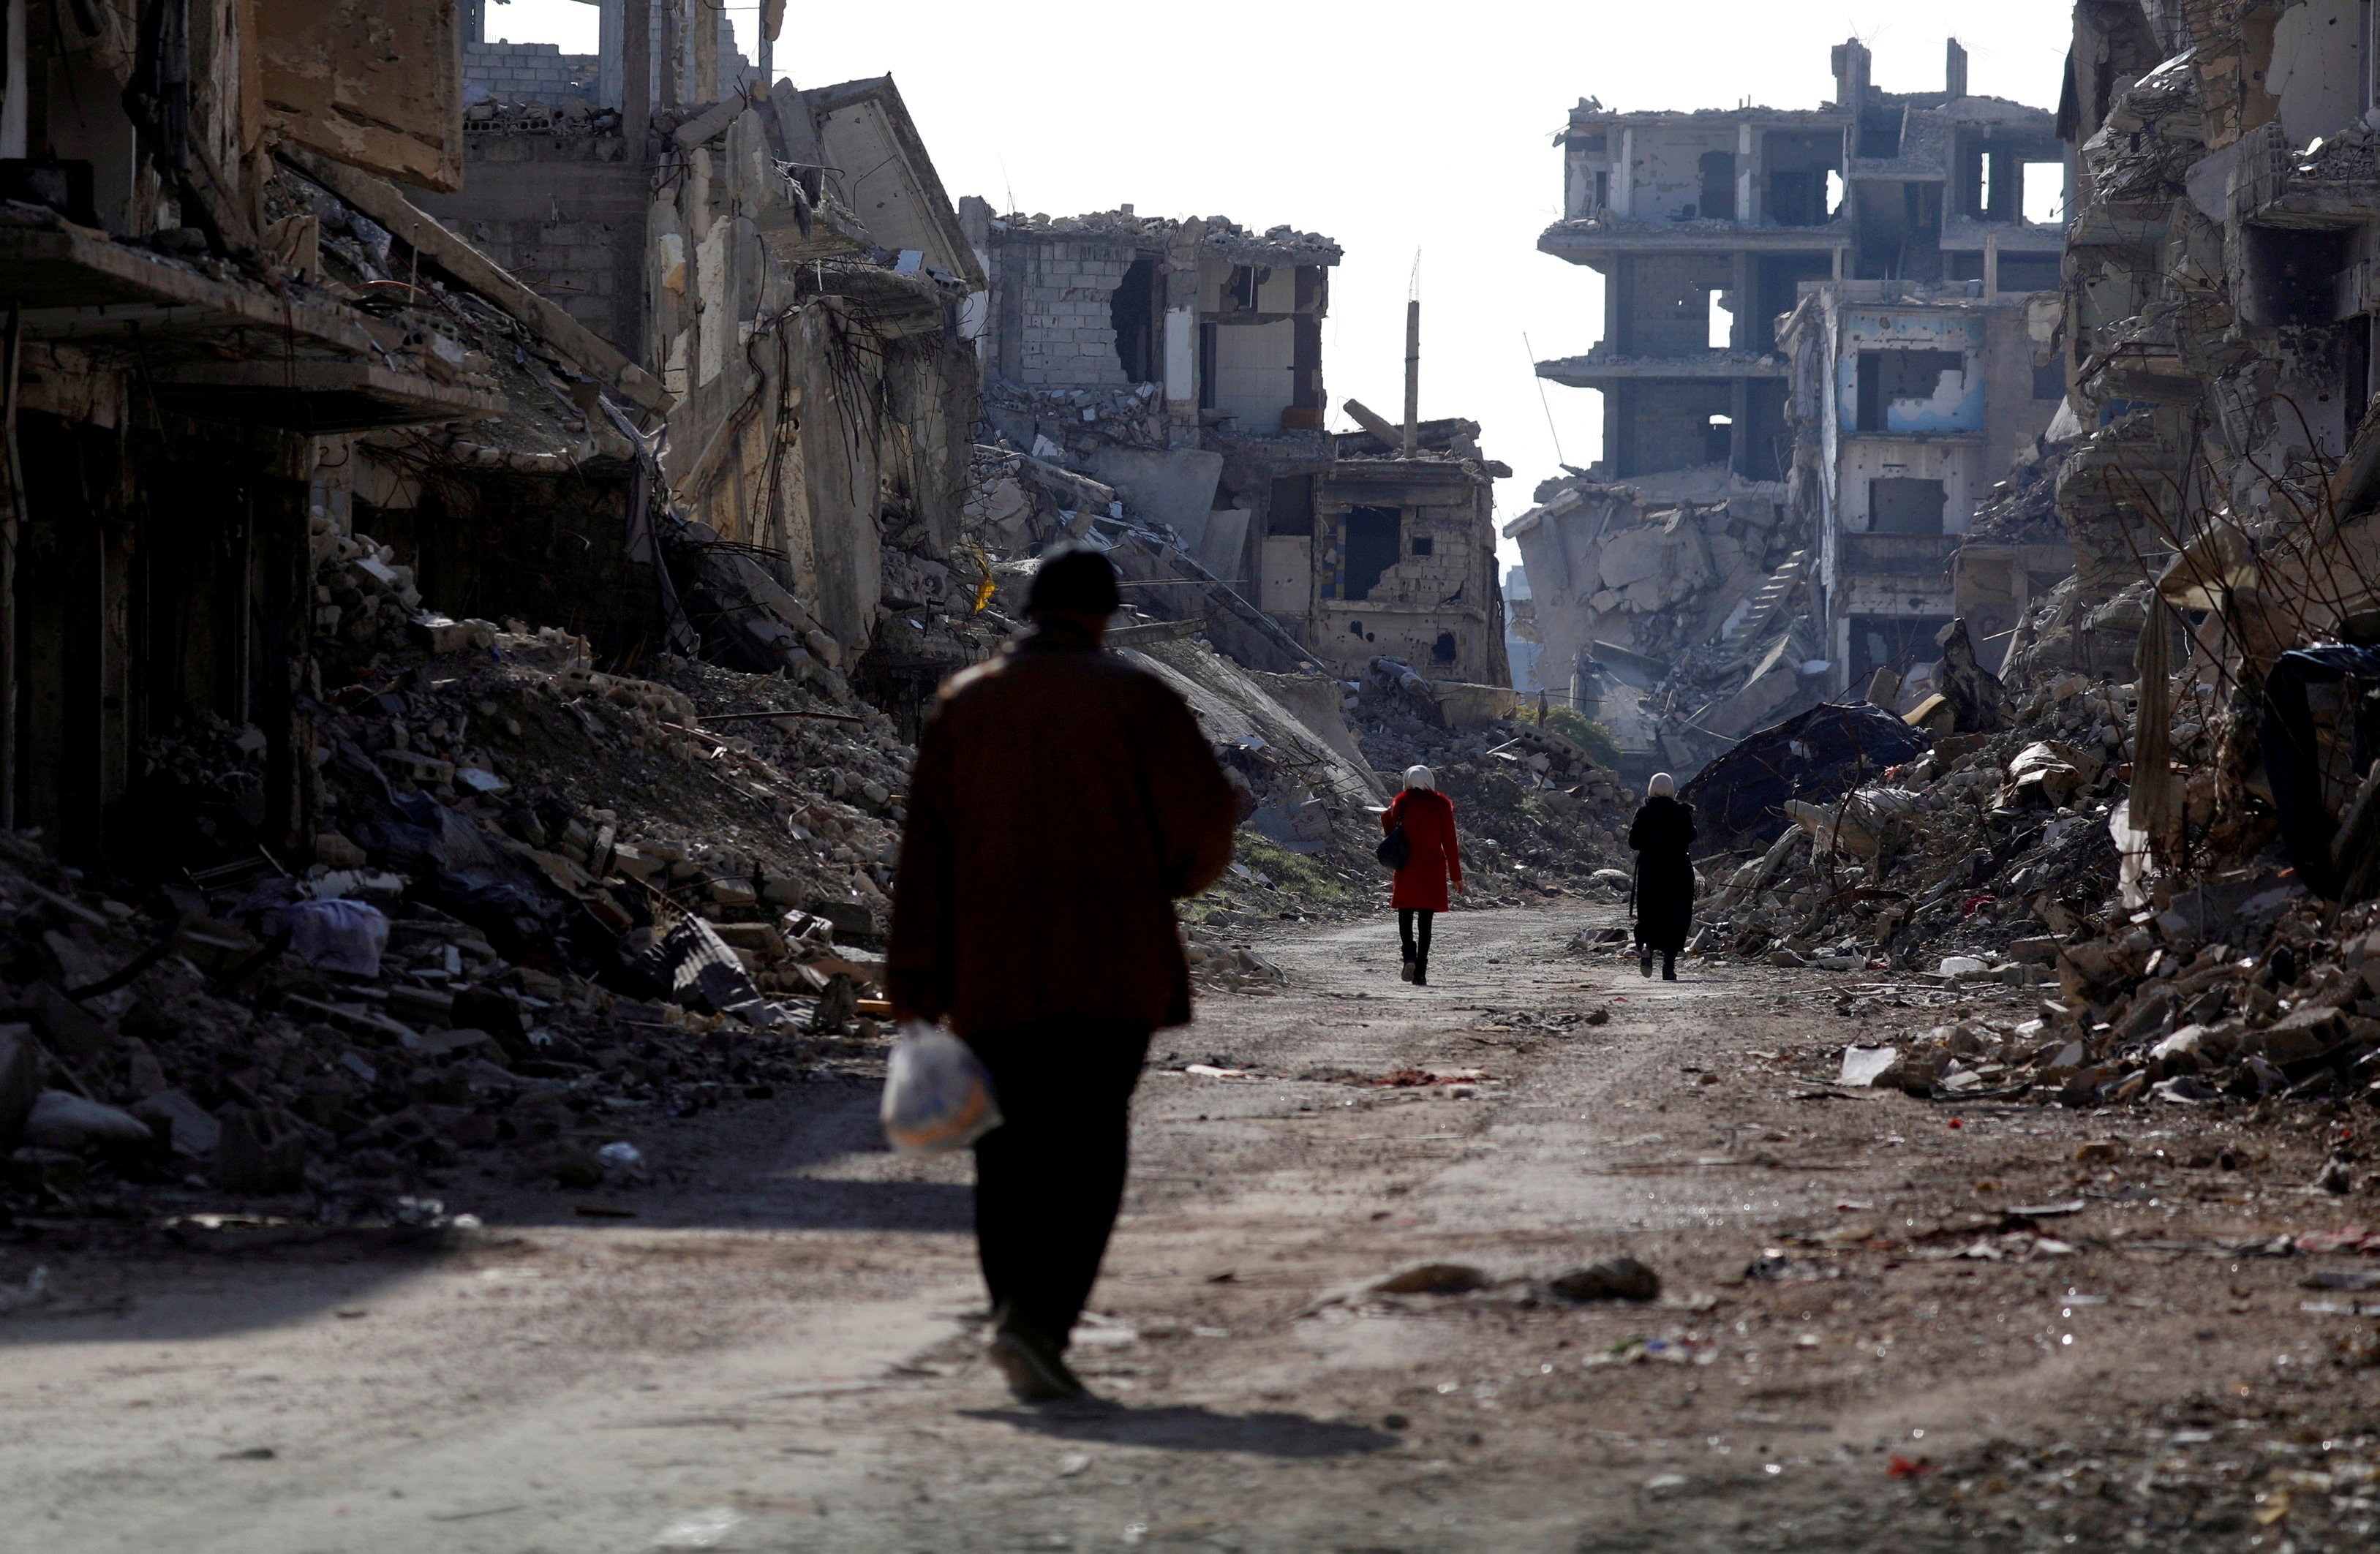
<point x="1884" y="1325"/>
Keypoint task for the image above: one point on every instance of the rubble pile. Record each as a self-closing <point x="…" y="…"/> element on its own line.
<point x="544" y="900"/>
<point x="1537" y="812"/>
<point x="575" y="114"/>
<point x="1078" y="423"/>
<point x="1687" y="609"/>
<point x="2284" y="1001"/>
<point x="342" y="1050"/>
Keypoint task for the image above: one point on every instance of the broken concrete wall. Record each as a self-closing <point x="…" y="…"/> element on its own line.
<point x="565" y="213"/>
<point x="1405" y="566"/>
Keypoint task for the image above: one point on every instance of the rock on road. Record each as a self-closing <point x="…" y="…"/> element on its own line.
<point x="1859" y="1344"/>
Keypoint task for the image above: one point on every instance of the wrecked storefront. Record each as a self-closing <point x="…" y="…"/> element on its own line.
<point x="177" y="377"/>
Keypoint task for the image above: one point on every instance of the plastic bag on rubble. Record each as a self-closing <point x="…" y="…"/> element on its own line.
<point x="936" y="1094"/>
<point x="336" y="935"/>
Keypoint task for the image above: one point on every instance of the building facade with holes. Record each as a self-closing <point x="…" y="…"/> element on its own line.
<point x="1912" y="401"/>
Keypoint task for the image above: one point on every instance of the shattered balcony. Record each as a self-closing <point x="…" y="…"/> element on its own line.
<point x="212" y="345"/>
<point x="1599" y="366"/>
<point x="1919" y="556"/>
<point x="1606" y="234"/>
<point x="2331" y="185"/>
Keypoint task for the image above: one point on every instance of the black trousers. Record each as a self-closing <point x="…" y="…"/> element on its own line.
<point x="1405" y="915"/>
<point x="1049" y="1179"/>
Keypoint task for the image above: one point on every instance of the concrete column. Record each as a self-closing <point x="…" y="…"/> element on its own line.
<point x="705" y="17"/>
<point x="635" y="75"/>
<point x="1991" y="264"/>
<point x="1623" y="174"/>
<point x="16" y="98"/>
<point x="1745" y="277"/>
<point x="1619" y="306"/>
<point x="1739" y="431"/>
<point x="1747" y="174"/>
<point x="673" y="51"/>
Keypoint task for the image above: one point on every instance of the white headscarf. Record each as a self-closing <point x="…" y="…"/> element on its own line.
<point x="1422" y="779"/>
<point x="1663" y="785"/>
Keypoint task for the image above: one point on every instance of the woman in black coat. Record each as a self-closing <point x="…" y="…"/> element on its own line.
<point x="1662" y="832"/>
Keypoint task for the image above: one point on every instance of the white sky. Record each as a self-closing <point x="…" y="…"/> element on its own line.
<point x="1390" y="126"/>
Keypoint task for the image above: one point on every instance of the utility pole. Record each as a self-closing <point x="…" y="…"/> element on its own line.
<point x="1412" y="377"/>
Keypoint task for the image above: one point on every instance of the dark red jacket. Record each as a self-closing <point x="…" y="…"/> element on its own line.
<point x="1061" y="801"/>
<point x="1429" y="819"/>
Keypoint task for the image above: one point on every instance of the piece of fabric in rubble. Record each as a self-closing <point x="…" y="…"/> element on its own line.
<point x="644" y="542"/>
<point x="1978" y="701"/>
<point x="2294" y="755"/>
<point x="698" y="970"/>
<point x="1816" y="755"/>
<point x="334" y="935"/>
<point x="455" y="869"/>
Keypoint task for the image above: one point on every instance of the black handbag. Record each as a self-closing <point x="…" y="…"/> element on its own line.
<point x="1395" y="849"/>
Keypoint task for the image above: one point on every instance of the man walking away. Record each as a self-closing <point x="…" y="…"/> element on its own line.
<point x="1062" y="801"/>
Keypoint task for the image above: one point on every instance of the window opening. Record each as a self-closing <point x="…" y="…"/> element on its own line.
<point x="1897" y="504"/>
<point x="1720" y="320"/>
<point x="1424" y="545"/>
<point x="2029" y="272"/>
<point x="1370" y="547"/>
<point x="1444" y="648"/>
<point x="1132" y="311"/>
<point x="2045" y="192"/>
<point x="1718" y="186"/>
<point x="1888" y="376"/>
<point x="1292" y="508"/>
<point x="1719" y="439"/>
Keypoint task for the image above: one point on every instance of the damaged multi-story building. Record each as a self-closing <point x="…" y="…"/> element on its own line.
<point x="1816" y="361"/>
<point x="1180" y="363"/>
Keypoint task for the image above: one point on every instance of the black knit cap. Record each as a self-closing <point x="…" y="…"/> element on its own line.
<point x="1077" y="579"/>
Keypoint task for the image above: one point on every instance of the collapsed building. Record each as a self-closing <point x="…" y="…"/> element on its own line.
<point x="2141" y="862"/>
<point x="1818" y="352"/>
<point x="1180" y="362"/>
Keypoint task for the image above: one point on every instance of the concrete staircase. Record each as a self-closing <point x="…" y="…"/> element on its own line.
<point x="1767" y="602"/>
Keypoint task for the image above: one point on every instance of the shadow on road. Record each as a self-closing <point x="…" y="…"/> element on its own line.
<point x="1185" y="1428"/>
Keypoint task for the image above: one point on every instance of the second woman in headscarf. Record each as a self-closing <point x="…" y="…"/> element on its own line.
<point x="1663" y="835"/>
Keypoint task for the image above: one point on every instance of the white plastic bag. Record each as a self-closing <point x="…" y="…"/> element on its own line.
<point x="937" y="1095"/>
<point x="336" y="934"/>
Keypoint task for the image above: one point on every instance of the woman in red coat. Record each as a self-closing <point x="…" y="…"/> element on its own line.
<point x="1427" y="817"/>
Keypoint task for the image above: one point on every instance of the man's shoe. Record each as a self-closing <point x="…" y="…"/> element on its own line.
<point x="1645" y="963"/>
<point x="1034" y="1371"/>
